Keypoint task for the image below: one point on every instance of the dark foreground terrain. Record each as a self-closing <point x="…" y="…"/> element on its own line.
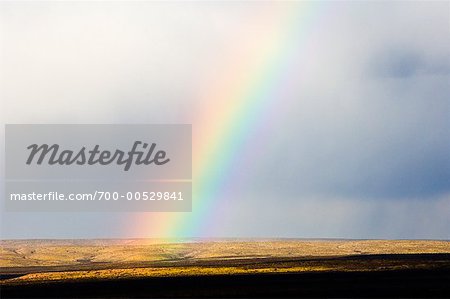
<point x="264" y="268"/>
<point x="401" y="283"/>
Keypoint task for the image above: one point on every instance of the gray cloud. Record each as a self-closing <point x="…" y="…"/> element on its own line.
<point x="357" y="145"/>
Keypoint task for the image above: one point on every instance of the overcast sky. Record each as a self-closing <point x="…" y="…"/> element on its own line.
<point x="355" y="145"/>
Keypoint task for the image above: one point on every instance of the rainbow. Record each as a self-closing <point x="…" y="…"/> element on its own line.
<point x="240" y="99"/>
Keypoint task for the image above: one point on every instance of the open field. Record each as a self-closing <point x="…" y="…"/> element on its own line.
<point x="183" y="268"/>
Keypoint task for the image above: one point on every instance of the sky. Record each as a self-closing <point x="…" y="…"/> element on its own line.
<point x="335" y="123"/>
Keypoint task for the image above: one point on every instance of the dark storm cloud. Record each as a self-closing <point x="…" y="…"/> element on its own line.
<point x="400" y="64"/>
<point x="393" y="144"/>
<point x="406" y="63"/>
